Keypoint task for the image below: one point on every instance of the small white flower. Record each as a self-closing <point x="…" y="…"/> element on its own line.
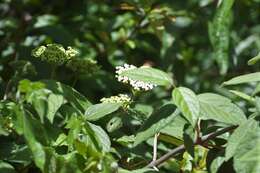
<point x="121" y="98"/>
<point x="137" y="85"/>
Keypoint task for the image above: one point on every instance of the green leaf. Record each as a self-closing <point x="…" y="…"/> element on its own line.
<point x="175" y="128"/>
<point x="219" y="108"/>
<point x="157" y="121"/>
<point x="186" y="100"/>
<point x="46" y="103"/>
<point x="188" y="137"/>
<point x="38" y="99"/>
<point x="6" y="167"/>
<point x="243" y="95"/>
<point x="149" y="75"/>
<point x="14" y="153"/>
<point x="247" y="78"/>
<point x="249" y="162"/>
<point x="114" y="123"/>
<point x="76" y="99"/>
<point x="54" y="103"/>
<point x="101" y="137"/>
<point x="257" y="89"/>
<point x="216" y="164"/>
<point x="219" y="33"/>
<point x="243" y="146"/>
<point x="245" y="133"/>
<point x="30" y="136"/>
<point x="252" y="61"/>
<point x="97" y="111"/>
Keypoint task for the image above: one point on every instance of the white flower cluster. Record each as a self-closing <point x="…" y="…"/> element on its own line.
<point x="71" y="52"/>
<point x="137" y="85"/>
<point x="121" y="98"/>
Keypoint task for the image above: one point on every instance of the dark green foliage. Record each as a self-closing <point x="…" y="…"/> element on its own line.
<point x="189" y="103"/>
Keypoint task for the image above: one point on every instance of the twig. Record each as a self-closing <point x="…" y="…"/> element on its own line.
<point x="53" y="71"/>
<point x="155" y="149"/>
<point x="75" y="80"/>
<point x="8" y="85"/>
<point x="181" y="148"/>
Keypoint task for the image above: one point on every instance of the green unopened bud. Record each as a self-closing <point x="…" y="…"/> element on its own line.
<point x="37" y="52"/>
<point x="83" y="67"/>
<point x="54" y="53"/>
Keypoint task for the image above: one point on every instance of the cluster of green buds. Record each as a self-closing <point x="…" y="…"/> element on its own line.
<point x="54" y="53"/>
<point x="124" y="99"/>
<point x="83" y="67"/>
<point x="8" y="124"/>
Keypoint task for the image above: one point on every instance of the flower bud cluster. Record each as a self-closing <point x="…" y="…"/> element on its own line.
<point x="121" y="98"/>
<point x="137" y="85"/>
<point x="83" y="67"/>
<point x="54" y="53"/>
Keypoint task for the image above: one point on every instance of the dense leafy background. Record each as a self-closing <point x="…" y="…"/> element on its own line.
<point x="59" y="125"/>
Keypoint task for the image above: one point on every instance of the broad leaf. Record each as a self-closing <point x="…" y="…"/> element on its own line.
<point x="243" y="146"/>
<point x="100" y="136"/>
<point x="36" y="148"/>
<point x="149" y="75"/>
<point x="186" y="100"/>
<point x="54" y="103"/>
<point x="247" y="78"/>
<point x="175" y="128"/>
<point x="219" y="108"/>
<point x="46" y="103"/>
<point x="245" y="133"/>
<point x="95" y="112"/>
<point x="157" y="121"/>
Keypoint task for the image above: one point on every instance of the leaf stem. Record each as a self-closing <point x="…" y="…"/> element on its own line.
<point x="181" y="148"/>
<point x="53" y="71"/>
<point x="75" y="80"/>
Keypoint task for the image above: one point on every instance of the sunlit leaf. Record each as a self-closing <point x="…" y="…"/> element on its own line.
<point x="220" y="108"/>
<point x="150" y="75"/>
<point x="247" y="78"/>
<point x="97" y="111"/>
<point x="187" y="102"/>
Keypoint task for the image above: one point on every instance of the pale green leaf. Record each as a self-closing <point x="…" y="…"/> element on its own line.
<point x="244" y="133"/>
<point x="242" y="95"/>
<point x="247" y="78"/>
<point x="54" y="103"/>
<point x="243" y="146"/>
<point x="220" y="108"/>
<point x="149" y="75"/>
<point x="187" y="101"/>
<point x="97" y="111"/>
<point x="101" y="137"/>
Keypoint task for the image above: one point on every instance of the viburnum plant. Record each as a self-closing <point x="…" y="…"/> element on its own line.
<point x="55" y="129"/>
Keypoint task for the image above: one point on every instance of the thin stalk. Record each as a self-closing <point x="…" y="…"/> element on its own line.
<point x="75" y="80"/>
<point x="53" y="71"/>
<point x="181" y="148"/>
